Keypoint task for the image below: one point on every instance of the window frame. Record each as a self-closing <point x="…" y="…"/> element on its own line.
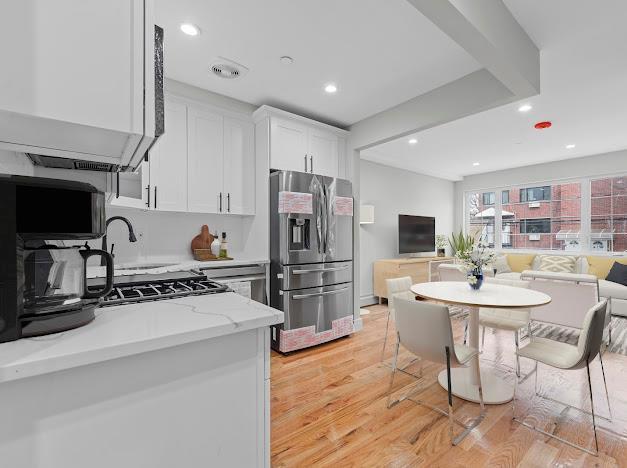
<point x="585" y="218"/>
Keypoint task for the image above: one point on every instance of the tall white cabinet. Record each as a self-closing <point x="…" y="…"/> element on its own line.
<point x="304" y="145"/>
<point x="204" y="163"/>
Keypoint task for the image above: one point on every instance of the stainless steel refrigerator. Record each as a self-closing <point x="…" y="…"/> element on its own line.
<point x="311" y="253"/>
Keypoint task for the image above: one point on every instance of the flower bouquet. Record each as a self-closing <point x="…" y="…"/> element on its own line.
<point x="473" y="261"/>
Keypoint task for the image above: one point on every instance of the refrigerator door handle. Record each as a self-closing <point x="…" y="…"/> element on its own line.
<point x="321" y="270"/>
<point x="327" y="293"/>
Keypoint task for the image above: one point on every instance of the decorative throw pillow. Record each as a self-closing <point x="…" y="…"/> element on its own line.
<point x="618" y="274"/>
<point x="558" y="263"/>
<point x="501" y="265"/>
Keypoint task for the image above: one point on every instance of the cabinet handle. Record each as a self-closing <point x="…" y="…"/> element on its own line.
<point x="220" y="202"/>
<point x="155" y="197"/>
<point x="148" y="195"/>
<point x="305" y="163"/>
<point x="228" y="202"/>
<point x="311" y="163"/>
<point x="117" y="188"/>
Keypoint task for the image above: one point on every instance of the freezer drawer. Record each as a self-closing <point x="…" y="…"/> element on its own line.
<point x="316" y="306"/>
<point x="315" y="275"/>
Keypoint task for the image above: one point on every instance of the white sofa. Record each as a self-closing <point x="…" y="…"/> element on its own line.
<point x="584" y="265"/>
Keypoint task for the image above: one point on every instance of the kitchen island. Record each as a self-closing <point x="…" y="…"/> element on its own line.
<point x="173" y="383"/>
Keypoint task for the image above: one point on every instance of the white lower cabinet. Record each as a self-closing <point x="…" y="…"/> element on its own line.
<point x="204" y="163"/>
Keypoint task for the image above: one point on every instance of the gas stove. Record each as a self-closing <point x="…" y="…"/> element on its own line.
<point x="154" y="287"/>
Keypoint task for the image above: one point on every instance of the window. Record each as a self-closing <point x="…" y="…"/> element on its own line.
<point x="533" y="194"/>
<point x="552" y="224"/>
<point x="481" y="218"/>
<point x="488" y="198"/>
<point x="608" y="210"/>
<point x="535" y="226"/>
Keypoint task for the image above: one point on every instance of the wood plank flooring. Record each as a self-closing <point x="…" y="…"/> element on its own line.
<point x="329" y="409"/>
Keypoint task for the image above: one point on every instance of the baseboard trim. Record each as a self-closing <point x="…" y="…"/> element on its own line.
<point x="368" y="300"/>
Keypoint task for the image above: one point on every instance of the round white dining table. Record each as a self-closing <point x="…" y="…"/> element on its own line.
<point x="464" y="382"/>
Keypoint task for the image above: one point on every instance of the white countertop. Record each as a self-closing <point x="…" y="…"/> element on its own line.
<point x="131" y="268"/>
<point x="125" y="330"/>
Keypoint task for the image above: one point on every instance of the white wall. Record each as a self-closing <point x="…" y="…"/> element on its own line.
<point x="394" y="191"/>
<point x="587" y="166"/>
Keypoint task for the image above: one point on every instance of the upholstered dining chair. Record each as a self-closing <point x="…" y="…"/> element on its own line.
<point x="513" y="320"/>
<point x="424" y="329"/>
<point x="450" y="272"/>
<point x="569" y="357"/>
<point x="396" y="287"/>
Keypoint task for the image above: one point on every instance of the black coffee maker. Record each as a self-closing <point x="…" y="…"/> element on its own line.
<point x="43" y="283"/>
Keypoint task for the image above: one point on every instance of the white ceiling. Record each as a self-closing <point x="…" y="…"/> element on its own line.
<point x="584" y="93"/>
<point x="379" y="53"/>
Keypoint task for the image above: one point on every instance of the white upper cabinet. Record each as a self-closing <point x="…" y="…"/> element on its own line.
<point x="168" y="161"/>
<point x="205" y="161"/>
<point x="239" y="166"/>
<point x="73" y="79"/>
<point x="323" y="152"/>
<point x="303" y="145"/>
<point x="289" y="145"/>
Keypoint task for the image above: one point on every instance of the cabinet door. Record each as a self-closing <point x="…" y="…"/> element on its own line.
<point x="288" y="145"/>
<point x="239" y="166"/>
<point x="131" y="189"/>
<point x="168" y="161"/>
<point x="323" y="152"/>
<point x="205" y="169"/>
<point x="70" y="61"/>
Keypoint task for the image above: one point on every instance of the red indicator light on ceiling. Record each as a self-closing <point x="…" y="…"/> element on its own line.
<point x="541" y="125"/>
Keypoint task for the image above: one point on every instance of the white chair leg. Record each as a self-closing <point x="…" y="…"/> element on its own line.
<point x="385" y="339"/>
<point x="607" y="395"/>
<point x="466" y="331"/>
<point x="482" y="338"/>
<point x="394" y="360"/>
<point x="449" y="389"/>
<point x="517" y="344"/>
<point x="594" y="421"/>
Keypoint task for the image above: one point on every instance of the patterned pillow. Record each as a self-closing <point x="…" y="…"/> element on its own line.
<point x="558" y="263"/>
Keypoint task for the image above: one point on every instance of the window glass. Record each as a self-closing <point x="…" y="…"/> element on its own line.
<point x="505" y="197"/>
<point x="481" y="217"/>
<point x="488" y="198"/>
<point x="608" y="210"/>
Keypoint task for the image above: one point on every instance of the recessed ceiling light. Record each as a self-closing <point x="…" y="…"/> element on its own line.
<point x="571" y="146"/>
<point x="287" y="60"/>
<point x="412" y="141"/>
<point x="475" y="164"/>
<point x="525" y="108"/>
<point x="190" y="29"/>
<point x="330" y="88"/>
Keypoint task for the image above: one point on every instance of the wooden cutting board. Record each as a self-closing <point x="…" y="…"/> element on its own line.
<point x="202" y="240"/>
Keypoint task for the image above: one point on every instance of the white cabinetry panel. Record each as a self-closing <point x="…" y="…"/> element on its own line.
<point x="168" y="161"/>
<point x="289" y="145"/>
<point x="239" y="166"/>
<point x="205" y="161"/>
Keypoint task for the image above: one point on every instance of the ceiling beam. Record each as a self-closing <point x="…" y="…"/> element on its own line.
<point x="491" y="35"/>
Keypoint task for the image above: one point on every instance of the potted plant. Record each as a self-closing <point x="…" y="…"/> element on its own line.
<point x="474" y="260"/>
<point x="460" y="242"/>
<point x="440" y="244"/>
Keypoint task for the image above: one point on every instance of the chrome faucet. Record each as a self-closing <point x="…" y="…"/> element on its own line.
<point x="131" y="235"/>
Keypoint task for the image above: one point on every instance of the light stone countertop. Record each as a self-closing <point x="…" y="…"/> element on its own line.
<point x="129" y="329"/>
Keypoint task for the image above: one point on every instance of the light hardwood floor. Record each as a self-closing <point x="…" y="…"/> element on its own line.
<point x="329" y="409"/>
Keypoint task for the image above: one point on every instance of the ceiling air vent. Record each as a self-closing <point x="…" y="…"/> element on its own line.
<point x="225" y="68"/>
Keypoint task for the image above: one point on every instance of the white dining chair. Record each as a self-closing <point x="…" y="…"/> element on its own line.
<point x="451" y="272"/>
<point x="513" y="320"/>
<point x="424" y="329"/>
<point x="396" y="287"/>
<point x="569" y="357"/>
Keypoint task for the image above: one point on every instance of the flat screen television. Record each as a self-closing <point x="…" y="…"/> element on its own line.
<point x="416" y="234"/>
